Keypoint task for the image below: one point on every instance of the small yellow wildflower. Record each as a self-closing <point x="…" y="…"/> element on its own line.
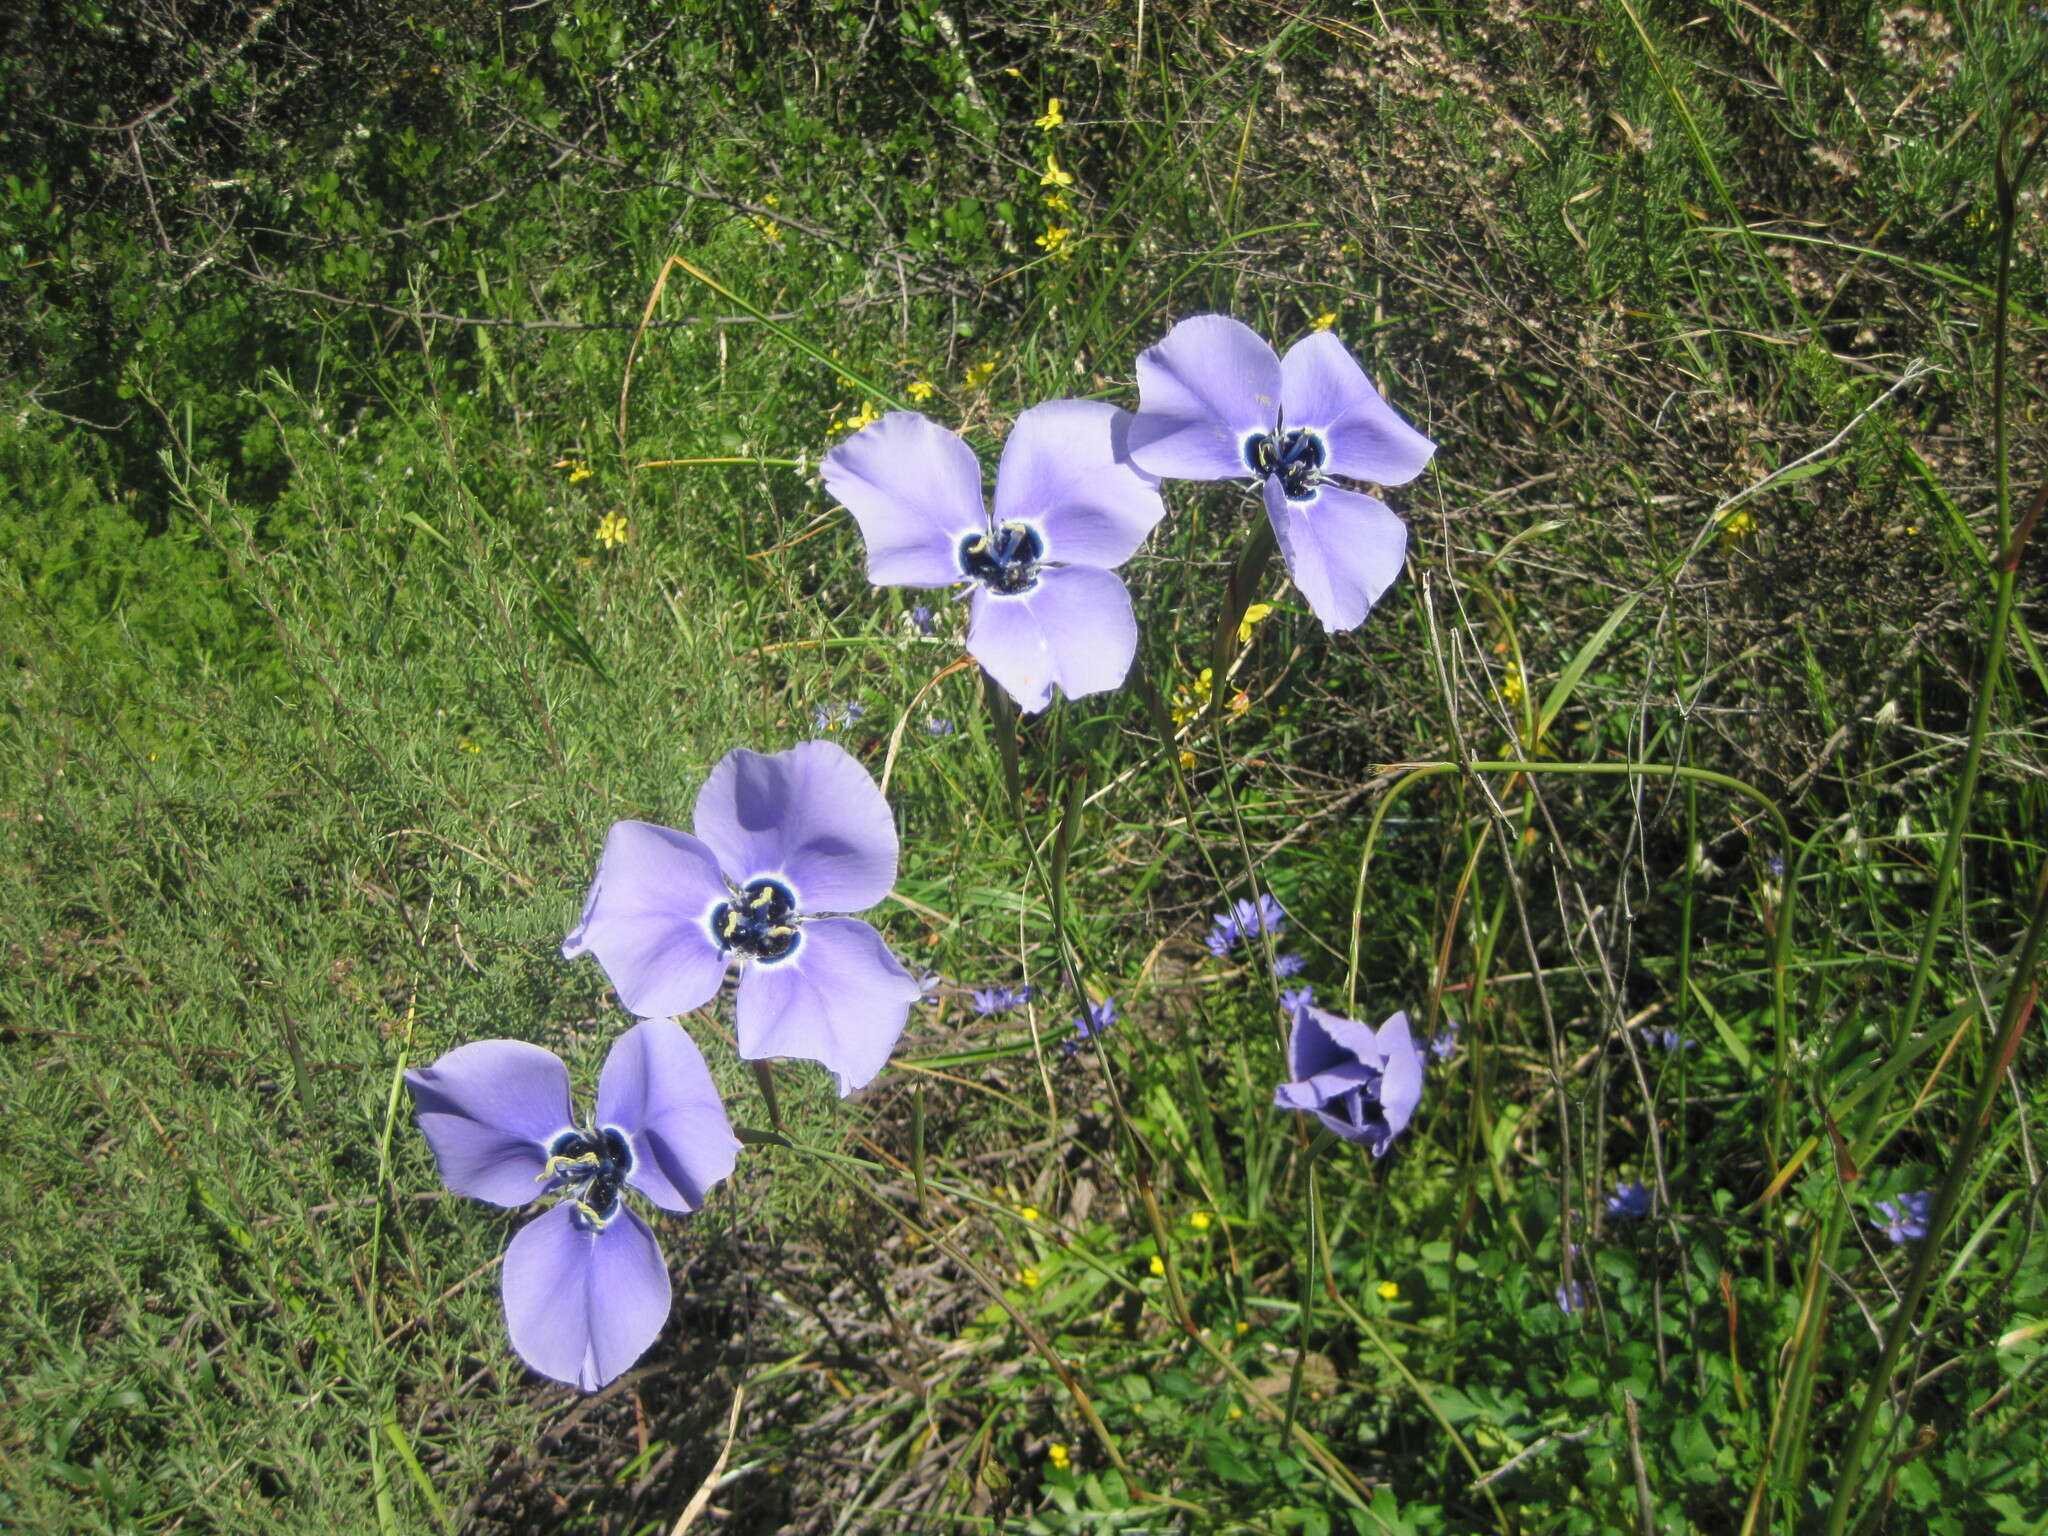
<point x="1737" y="526"/>
<point x="1388" y="1290"/>
<point x="614" y="530"/>
<point x="1244" y="1327"/>
<point x="1029" y="1276"/>
<point x="768" y="229"/>
<point x="1055" y="241"/>
<point x="1053" y="116"/>
<point x="1054" y="176"/>
<point x="921" y="390"/>
<point x="1511" y="689"/>
<point x="771" y="199"/>
<point x="1323" y="321"/>
<point x="1252" y="616"/>
<point x="1158" y="1265"/>
<point x="979" y="374"/>
<point x="1187" y="762"/>
<point x="1235" y="1412"/>
<point x="866" y="415"/>
<point x="1056" y="202"/>
<point x="578" y="470"/>
<point x="1200" y="1221"/>
<point x="1240" y="701"/>
<point x="1188" y="702"/>
<point x="1059" y="1455"/>
<point x="1028" y="1212"/>
<point x="464" y="745"/>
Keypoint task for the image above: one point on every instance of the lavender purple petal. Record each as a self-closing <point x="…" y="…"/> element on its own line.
<point x="645" y="919"/>
<point x="1064" y="472"/>
<point x="811" y="817"/>
<point x="582" y="1304"/>
<point x="1323" y="389"/>
<point x="1343" y="549"/>
<point x="490" y="1110"/>
<point x="915" y="490"/>
<point x="1209" y="384"/>
<point x="1074" y="629"/>
<point x="840" y="998"/>
<point x="656" y="1090"/>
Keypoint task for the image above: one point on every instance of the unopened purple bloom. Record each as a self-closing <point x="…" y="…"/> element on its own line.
<point x="1571" y="1296"/>
<point x="1629" y="1202"/>
<point x="1069" y="508"/>
<point x="780" y="839"/>
<point x="1297" y="998"/>
<point x="1443" y="1046"/>
<point x="1905" y="1219"/>
<point x="1288" y="965"/>
<point x="921" y="619"/>
<point x="1216" y="403"/>
<point x="993" y="1000"/>
<point x="1361" y="1083"/>
<point x="585" y="1287"/>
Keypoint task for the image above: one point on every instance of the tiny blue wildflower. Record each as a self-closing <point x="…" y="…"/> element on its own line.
<point x="993" y="1000"/>
<point x="1093" y="1022"/>
<point x="1775" y="866"/>
<point x="1629" y="1202"/>
<point x="835" y="717"/>
<point x="1905" y="1219"/>
<point x="1295" y="999"/>
<point x="1571" y="1296"/>
<point x="1670" y="1040"/>
<point x="1443" y="1046"/>
<point x="921" y="619"/>
<point x="1288" y="965"/>
<point x="1246" y="919"/>
<point x="938" y="725"/>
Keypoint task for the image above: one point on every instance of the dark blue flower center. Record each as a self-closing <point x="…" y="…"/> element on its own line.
<point x="1005" y="561"/>
<point x="1296" y="456"/>
<point x="761" y="925"/>
<point x="592" y="1166"/>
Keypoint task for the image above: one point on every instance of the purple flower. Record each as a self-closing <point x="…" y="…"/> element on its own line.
<point x="1093" y="1022"/>
<point x="780" y="839"/>
<point x="1216" y="403"/>
<point x="1443" y="1046"/>
<point x="1296" y="999"/>
<point x="1362" y="1084"/>
<point x="938" y="725"/>
<point x="921" y="619"/>
<point x="1288" y="965"/>
<point x="1571" y="1296"/>
<point x="1905" y="1219"/>
<point x="1629" y="1202"/>
<point x="1246" y="919"/>
<point x="585" y="1287"/>
<point x="1671" y="1041"/>
<point x="1069" y="509"/>
<point x="993" y="1000"/>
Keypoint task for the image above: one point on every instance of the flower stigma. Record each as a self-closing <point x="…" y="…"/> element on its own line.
<point x="591" y="1166"/>
<point x="1296" y="456"/>
<point x="1006" y="562"/>
<point x="761" y="925"/>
